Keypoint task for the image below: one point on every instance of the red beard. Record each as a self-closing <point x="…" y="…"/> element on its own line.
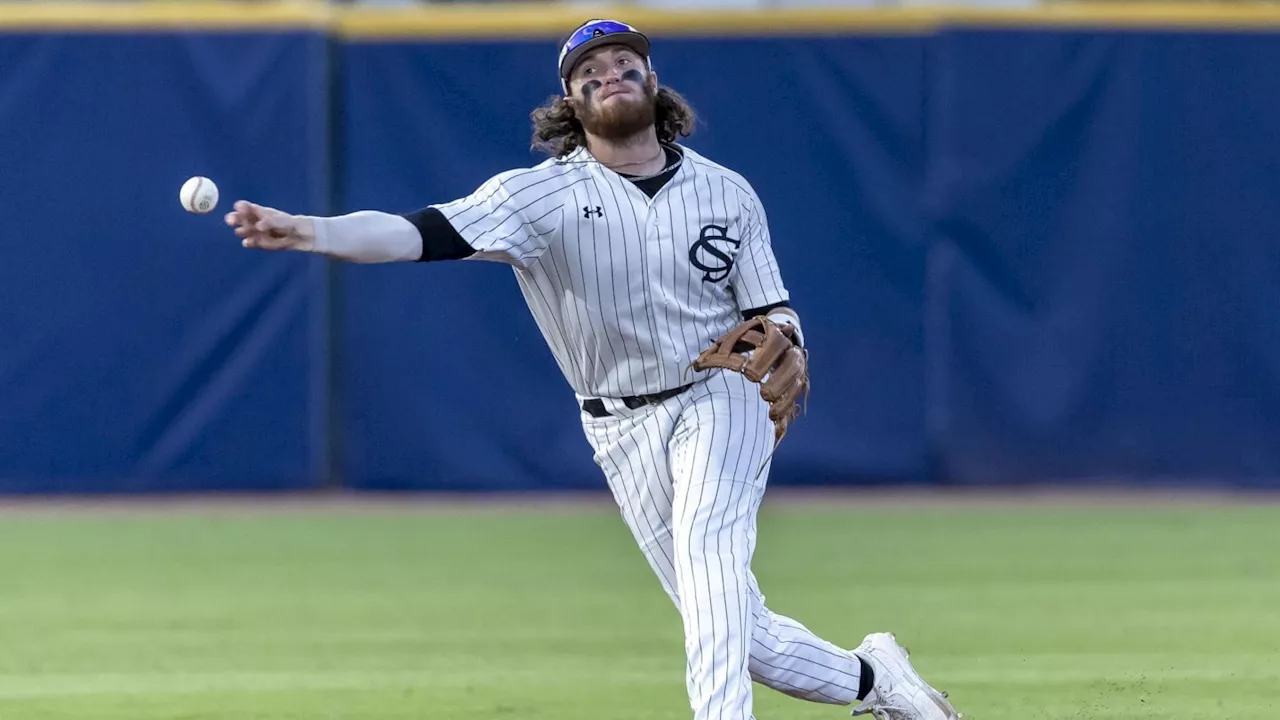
<point x="621" y="118"/>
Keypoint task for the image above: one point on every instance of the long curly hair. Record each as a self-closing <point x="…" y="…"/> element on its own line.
<point x="558" y="132"/>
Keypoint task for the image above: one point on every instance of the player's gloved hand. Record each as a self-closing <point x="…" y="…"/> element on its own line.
<point x="768" y="354"/>
<point x="266" y="228"/>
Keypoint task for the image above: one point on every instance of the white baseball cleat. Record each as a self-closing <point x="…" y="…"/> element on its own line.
<point x="898" y="693"/>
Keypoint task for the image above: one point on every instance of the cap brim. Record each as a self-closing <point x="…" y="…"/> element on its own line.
<point x="637" y="42"/>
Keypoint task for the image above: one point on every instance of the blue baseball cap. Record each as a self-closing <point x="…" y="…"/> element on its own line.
<point x="594" y="33"/>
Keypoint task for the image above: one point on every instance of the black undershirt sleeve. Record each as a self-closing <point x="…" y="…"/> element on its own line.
<point x="754" y="312"/>
<point x="439" y="240"/>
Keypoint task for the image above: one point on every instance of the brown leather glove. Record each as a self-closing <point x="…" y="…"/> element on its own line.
<point x="766" y="353"/>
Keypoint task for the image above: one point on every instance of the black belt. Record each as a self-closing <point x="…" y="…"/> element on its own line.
<point x="595" y="406"/>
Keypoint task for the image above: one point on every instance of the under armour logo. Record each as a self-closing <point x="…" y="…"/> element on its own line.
<point x="716" y="264"/>
<point x="587" y="210"/>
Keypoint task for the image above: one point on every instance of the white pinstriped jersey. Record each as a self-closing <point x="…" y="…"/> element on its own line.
<point x="627" y="290"/>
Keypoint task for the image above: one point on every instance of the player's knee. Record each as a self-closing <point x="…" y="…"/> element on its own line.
<point x="727" y="551"/>
<point x="714" y="529"/>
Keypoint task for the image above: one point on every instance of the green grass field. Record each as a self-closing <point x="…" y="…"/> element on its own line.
<point x="549" y="613"/>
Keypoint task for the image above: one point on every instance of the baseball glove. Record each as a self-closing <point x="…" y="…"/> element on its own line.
<point x="765" y="352"/>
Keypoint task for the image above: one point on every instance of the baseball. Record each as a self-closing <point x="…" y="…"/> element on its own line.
<point x="199" y="195"/>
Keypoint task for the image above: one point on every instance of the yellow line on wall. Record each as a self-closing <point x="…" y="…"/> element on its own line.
<point x="553" y="20"/>
<point x="1154" y="16"/>
<point x="163" y="15"/>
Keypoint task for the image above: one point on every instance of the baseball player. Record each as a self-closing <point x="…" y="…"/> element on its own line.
<point x="650" y="273"/>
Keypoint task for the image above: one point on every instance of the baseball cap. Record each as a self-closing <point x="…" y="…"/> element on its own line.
<point x="594" y="33"/>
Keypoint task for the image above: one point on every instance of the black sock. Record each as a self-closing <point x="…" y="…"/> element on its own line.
<point x="866" y="678"/>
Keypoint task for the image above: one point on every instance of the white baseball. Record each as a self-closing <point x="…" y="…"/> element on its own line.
<point x="199" y="195"/>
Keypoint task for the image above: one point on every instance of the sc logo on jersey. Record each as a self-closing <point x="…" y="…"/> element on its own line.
<point x="714" y="262"/>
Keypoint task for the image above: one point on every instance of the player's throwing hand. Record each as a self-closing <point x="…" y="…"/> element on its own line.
<point x="266" y="228"/>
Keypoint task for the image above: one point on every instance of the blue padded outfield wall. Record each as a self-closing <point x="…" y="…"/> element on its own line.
<point x="1104" y="250"/>
<point x="1024" y="250"/>
<point x="138" y="349"/>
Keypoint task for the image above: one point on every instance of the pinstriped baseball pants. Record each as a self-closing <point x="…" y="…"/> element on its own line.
<point x="685" y="475"/>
